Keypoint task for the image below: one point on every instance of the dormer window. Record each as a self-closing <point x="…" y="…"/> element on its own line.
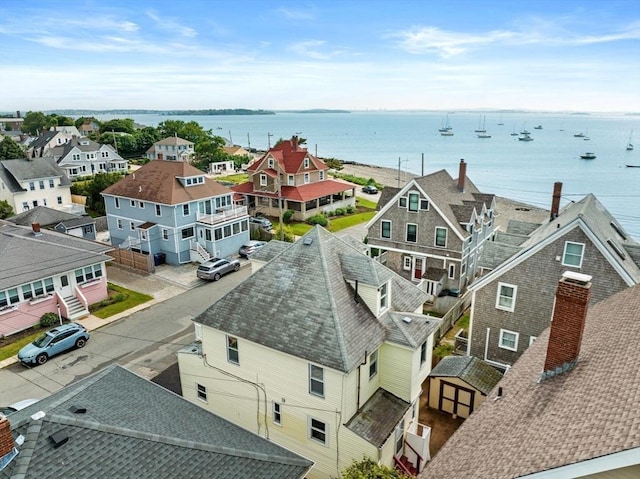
<point x="193" y="180"/>
<point x="383" y="297"/>
<point x="306" y="162"/>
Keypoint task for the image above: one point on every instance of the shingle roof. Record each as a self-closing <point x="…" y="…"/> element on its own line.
<point x="26" y="258"/>
<point x="306" y="192"/>
<point x="41" y="215"/>
<point x="157" y="182"/>
<point x="135" y="428"/>
<point x="289" y="158"/>
<point x="300" y="303"/>
<point x="43" y="139"/>
<point x="34" y="169"/>
<point x="587" y="413"/>
<point x="378" y="417"/>
<point x="173" y="140"/>
<point x="470" y="369"/>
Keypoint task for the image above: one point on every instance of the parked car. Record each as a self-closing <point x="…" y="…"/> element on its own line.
<point x="17" y="406"/>
<point x="262" y="222"/>
<point x="55" y="341"/>
<point x="250" y="247"/>
<point x="370" y="189"/>
<point x="215" y="268"/>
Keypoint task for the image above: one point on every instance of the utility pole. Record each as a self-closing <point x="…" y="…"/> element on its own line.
<point x="269" y="135"/>
<point x="422" y="165"/>
<point x="398" y="172"/>
<point x="249" y="141"/>
<point x="230" y="139"/>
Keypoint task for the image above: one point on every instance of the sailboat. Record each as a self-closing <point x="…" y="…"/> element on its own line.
<point x="629" y="144"/>
<point x="483" y="133"/>
<point x="481" y="126"/>
<point x="445" y="126"/>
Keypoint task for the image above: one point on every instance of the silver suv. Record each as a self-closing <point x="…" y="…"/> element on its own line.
<point x="215" y="268"/>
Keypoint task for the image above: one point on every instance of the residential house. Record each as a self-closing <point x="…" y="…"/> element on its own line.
<point x="512" y="304"/>
<point x="172" y="208"/>
<point x="569" y="405"/>
<point x="432" y="231"/>
<point x="26" y="184"/>
<point x="172" y="148"/>
<point x="288" y="177"/>
<point x="459" y="384"/>
<point x="222" y="168"/>
<point x="84" y="157"/>
<point x="117" y="424"/>
<point x="323" y="350"/>
<point x="89" y="126"/>
<point x="51" y="138"/>
<point x="45" y="270"/>
<point x="80" y="226"/>
<point x="10" y="123"/>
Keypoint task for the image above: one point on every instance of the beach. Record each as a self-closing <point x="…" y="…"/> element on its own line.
<point x="382" y="175"/>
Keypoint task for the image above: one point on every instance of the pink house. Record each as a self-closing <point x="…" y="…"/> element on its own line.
<point x="45" y="271"/>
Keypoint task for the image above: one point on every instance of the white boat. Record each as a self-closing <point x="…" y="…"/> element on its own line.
<point x="481" y="128"/>
<point x="588" y="156"/>
<point x="483" y="132"/>
<point x="539" y="127"/>
<point x="484" y="135"/>
<point x="446" y="133"/>
<point x="629" y="144"/>
<point x="579" y="135"/>
<point x="525" y="136"/>
<point x="445" y="126"/>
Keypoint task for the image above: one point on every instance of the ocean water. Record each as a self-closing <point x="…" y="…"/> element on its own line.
<point x="503" y="165"/>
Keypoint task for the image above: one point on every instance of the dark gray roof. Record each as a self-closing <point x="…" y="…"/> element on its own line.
<point x="77" y="221"/>
<point x="34" y="169"/>
<point x="409" y="329"/>
<point x="521" y="227"/>
<point x="510" y="238"/>
<point x="377" y="418"/>
<point x="634" y="252"/>
<point x="300" y="303"/>
<point x="386" y="195"/>
<point x="360" y="268"/>
<point x="434" y="274"/>
<point x="43" y="139"/>
<point x="25" y="257"/>
<point x="464" y="212"/>
<point x="42" y="215"/>
<point x="495" y="253"/>
<point x="135" y="428"/>
<point x="270" y="250"/>
<point x="470" y="369"/>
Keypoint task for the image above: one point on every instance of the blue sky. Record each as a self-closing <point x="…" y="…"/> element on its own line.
<point x="537" y="55"/>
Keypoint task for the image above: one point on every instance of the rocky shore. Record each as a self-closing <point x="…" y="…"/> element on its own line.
<point x="384" y="176"/>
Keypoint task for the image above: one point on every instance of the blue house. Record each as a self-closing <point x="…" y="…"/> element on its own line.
<point x="171" y="207"/>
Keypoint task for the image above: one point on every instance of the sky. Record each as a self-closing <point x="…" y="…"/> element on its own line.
<point x="558" y="55"/>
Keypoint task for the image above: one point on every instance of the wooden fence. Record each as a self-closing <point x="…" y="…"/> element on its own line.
<point x="453" y="315"/>
<point x="131" y="259"/>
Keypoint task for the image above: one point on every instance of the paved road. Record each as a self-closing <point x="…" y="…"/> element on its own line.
<point x="144" y="342"/>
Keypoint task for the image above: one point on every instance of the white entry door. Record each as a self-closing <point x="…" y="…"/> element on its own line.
<point x="65" y="289"/>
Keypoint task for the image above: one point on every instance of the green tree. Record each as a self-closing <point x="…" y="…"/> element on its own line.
<point x="60" y="120"/>
<point x="93" y="188"/>
<point x="146" y="137"/>
<point x="36" y="122"/>
<point x="191" y="131"/>
<point x="367" y="468"/>
<point x="6" y="211"/>
<point x="121" y="125"/>
<point x="10" y="150"/>
<point x="209" y="150"/>
<point x="125" y="144"/>
<point x="80" y="121"/>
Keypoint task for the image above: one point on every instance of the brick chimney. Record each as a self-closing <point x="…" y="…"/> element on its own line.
<point x="294" y="143"/>
<point x="35" y="227"/>
<point x="462" y="174"/>
<point x="555" y="203"/>
<point x="567" y="325"/>
<point x="6" y="439"/>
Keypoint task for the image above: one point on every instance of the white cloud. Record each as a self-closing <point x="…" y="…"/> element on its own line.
<point x="171" y="25"/>
<point x="297" y="14"/>
<point x="310" y="49"/>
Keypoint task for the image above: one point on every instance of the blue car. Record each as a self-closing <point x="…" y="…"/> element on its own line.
<point x="56" y="341"/>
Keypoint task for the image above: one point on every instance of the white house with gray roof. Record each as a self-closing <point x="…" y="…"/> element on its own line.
<point x="84" y="157"/>
<point x="323" y="350"/>
<point x="513" y="302"/>
<point x="171" y="148"/>
<point x="42" y="270"/>
<point x="116" y="424"/>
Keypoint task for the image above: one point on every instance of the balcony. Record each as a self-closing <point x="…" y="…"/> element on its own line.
<point x="222" y="215"/>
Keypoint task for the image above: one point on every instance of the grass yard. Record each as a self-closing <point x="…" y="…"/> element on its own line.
<point x="237" y="178"/>
<point x="120" y="299"/>
<point x="10" y="346"/>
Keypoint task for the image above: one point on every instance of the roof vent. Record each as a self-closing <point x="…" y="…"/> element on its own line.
<point x="407" y="319"/>
<point x="58" y="439"/>
<point x="78" y="410"/>
<point x="307" y="241"/>
<point x="37" y="415"/>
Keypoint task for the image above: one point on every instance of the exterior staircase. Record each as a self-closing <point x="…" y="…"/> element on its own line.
<point x="76" y="309"/>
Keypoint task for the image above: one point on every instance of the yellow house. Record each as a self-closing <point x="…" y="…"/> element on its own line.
<point x="322" y="350"/>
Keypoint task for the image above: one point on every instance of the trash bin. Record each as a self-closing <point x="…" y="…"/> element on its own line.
<point x="159" y="258"/>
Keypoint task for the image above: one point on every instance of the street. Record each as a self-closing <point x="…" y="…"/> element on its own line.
<point x="145" y="342"/>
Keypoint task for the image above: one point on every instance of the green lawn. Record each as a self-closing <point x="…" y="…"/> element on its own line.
<point x="120" y="299"/>
<point x="12" y="349"/>
<point x="237" y="178"/>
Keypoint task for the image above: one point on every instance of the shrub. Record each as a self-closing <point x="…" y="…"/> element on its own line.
<point x="48" y="319"/>
<point x="350" y="209"/>
<point x="287" y="234"/>
<point x="286" y="217"/>
<point x="340" y="211"/>
<point x="318" y="220"/>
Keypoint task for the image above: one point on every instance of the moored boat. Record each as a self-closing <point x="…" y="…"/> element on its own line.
<point x="525" y="136"/>
<point x="588" y="156"/>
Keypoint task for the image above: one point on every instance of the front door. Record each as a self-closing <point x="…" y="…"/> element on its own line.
<point x="66" y="290"/>
<point x="418" y="268"/>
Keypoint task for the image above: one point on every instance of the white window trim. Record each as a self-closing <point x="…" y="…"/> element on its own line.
<point x="158" y="210"/>
<point x="317" y="380"/>
<point x="188" y="213"/>
<point x="502" y="332"/>
<point x="306" y="163"/>
<point x="435" y="237"/>
<point x="229" y="349"/>
<point x="291" y="180"/>
<point x="326" y="431"/>
<point x="307" y="178"/>
<point x="263" y="180"/>
<point x="420" y="204"/>
<point x="321" y="175"/>
<point x="382" y="229"/>
<point x="409" y="195"/>
<point x="200" y="392"/>
<point x="373" y="360"/>
<point x="407" y="261"/>
<point x="513" y="299"/>
<point x="406" y="233"/>
<point x="452" y="271"/>
<point x="276" y="408"/>
<point x="564" y="253"/>
<point x="387" y="299"/>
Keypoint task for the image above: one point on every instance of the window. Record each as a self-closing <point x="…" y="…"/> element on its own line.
<point x="290" y="180"/>
<point x="158" y="210"/>
<point x="306" y="178"/>
<point x="412" y="233"/>
<point x="402" y="202"/>
<point x="232" y="350"/>
<point x="572" y="254"/>
<point x="165" y="234"/>
<point x="140" y="204"/>
<point x="51" y="184"/>
<point x="406" y="263"/>
<point x="506" y="296"/>
<point x="32" y="186"/>
<point x="187" y="233"/>
<point x="532" y="339"/>
<point x="373" y="364"/>
<point x="185" y="209"/>
<point x="89" y="273"/>
<point x="321" y="175"/>
<point x="270" y="162"/>
<point x="383" y="296"/>
<point x="25" y="206"/>
<point x="452" y="271"/>
<point x="41" y="184"/>
<point x="48" y="285"/>
<point x="441" y="236"/>
<point x="35" y="203"/>
<point x="133" y="203"/>
<point x="201" y="391"/>
<point x="414" y="201"/>
<point x="119" y="224"/>
<point x="318" y="431"/>
<point x="277" y="413"/>
<point x="9" y="297"/>
<point x="423" y="353"/>
<point x="424" y="205"/>
<point x="306" y="162"/>
<point x="316" y="380"/>
<point x="263" y="180"/>
<point x="26" y="291"/>
<point x="385" y="226"/>
<point x="44" y="202"/>
<point x="217" y="234"/>
<point x="117" y="202"/>
<point x="508" y="340"/>
<point x="143" y="235"/>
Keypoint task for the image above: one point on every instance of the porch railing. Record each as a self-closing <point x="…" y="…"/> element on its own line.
<point x="222" y="215"/>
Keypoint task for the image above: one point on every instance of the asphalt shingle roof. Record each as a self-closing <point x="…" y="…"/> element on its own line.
<point x="470" y="369"/>
<point x="135" y="428"/>
<point x="300" y="303"/>
<point x="20" y="170"/>
<point x="589" y="412"/>
<point x="42" y="215"/>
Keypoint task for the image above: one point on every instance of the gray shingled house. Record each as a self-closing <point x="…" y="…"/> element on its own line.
<point x="323" y="350"/>
<point x="512" y="304"/>
<point x="75" y="225"/>
<point x="115" y="424"/>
